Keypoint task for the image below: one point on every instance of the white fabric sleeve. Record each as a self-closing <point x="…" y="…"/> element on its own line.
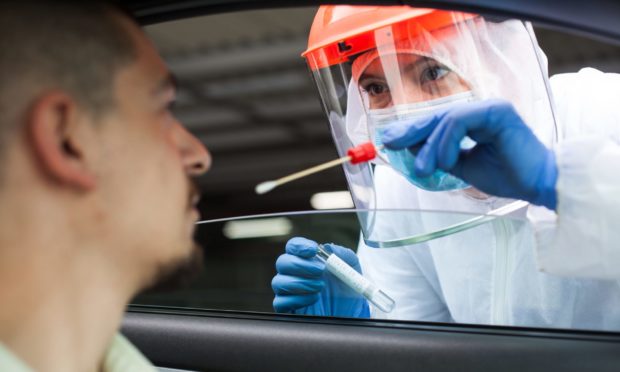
<point x="584" y="241"/>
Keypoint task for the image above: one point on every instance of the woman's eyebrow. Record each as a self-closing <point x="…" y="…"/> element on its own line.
<point x="408" y="67"/>
<point x="366" y="75"/>
<point x="416" y="64"/>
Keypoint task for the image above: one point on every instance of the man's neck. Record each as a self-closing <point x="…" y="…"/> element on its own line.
<point x="49" y="318"/>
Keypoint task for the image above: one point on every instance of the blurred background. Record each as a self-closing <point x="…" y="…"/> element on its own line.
<point x="248" y="96"/>
<point x="247" y="93"/>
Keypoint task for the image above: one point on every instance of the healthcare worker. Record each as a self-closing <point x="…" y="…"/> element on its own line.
<point x="450" y="91"/>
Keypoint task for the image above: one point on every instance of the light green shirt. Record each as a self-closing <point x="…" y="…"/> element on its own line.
<point x="122" y="356"/>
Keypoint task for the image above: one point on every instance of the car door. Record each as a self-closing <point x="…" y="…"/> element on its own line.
<point x="231" y="327"/>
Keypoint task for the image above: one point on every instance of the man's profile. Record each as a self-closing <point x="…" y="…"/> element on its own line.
<point x="96" y="184"/>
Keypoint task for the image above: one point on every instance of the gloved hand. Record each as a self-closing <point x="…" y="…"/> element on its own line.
<point x="304" y="286"/>
<point x="508" y="159"/>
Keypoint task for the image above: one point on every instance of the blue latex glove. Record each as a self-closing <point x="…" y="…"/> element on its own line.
<point x="304" y="286"/>
<point x="508" y="159"/>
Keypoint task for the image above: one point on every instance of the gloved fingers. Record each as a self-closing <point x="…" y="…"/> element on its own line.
<point x="301" y="247"/>
<point x="474" y="167"/>
<point x="415" y="149"/>
<point x="289" y="303"/>
<point x="479" y="118"/>
<point x="345" y="254"/>
<point x="289" y="264"/>
<point x="401" y="135"/>
<point x="459" y="167"/>
<point x="426" y="160"/>
<point x="289" y="285"/>
<point x="483" y="120"/>
<point x="443" y="146"/>
<point x="449" y="142"/>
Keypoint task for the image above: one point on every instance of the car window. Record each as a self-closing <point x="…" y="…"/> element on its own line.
<point x="247" y="94"/>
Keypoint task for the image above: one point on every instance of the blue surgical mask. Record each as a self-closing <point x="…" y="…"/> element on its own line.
<point x="403" y="160"/>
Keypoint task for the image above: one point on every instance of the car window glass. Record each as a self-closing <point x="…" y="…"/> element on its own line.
<point x="247" y="94"/>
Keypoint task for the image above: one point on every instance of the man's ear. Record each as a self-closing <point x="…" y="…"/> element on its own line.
<point x="53" y="126"/>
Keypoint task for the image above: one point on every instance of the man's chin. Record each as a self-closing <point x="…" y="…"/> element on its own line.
<point x="177" y="274"/>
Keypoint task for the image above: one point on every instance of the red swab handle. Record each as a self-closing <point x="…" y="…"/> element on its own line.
<point x="361" y="153"/>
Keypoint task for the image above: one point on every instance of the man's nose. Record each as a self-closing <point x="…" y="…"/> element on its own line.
<point x="196" y="157"/>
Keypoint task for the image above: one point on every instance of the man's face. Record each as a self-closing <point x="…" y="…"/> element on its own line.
<point x="146" y="165"/>
<point x="412" y="79"/>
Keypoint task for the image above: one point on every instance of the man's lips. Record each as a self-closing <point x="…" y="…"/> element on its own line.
<point x="194" y="200"/>
<point x="194" y="195"/>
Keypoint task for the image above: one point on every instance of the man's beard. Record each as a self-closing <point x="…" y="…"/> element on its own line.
<point x="177" y="274"/>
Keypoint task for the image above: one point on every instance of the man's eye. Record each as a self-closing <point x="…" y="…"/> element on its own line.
<point x="375" y="89"/>
<point x="170" y="106"/>
<point x="433" y="73"/>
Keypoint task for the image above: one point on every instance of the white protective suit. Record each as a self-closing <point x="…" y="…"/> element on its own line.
<point x="585" y="239"/>
<point x="490" y="274"/>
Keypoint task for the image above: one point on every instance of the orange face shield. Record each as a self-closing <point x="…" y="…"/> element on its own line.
<point x="340" y="32"/>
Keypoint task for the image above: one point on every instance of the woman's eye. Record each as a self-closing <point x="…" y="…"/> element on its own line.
<point x="376" y="89"/>
<point x="433" y="73"/>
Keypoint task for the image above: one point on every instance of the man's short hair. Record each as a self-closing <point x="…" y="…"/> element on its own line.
<point x="75" y="46"/>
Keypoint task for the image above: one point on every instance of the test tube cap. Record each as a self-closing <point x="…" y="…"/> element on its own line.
<point x="361" y="153"/>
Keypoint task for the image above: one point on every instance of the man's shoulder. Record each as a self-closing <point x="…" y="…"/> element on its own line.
<point x="10" y="362"/>
<point x="122" y="355"/>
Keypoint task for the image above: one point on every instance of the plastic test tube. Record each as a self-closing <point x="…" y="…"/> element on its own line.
<point x="355" y="280"/>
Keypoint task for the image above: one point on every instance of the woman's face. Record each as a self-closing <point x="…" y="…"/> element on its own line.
<point x="418" y="79"/>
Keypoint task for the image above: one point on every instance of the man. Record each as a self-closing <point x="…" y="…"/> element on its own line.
<point x="420" y="81"/>
<point x="98" y="201"/>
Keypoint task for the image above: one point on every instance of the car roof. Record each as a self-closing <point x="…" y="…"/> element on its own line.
<point x="598" y="19"/>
